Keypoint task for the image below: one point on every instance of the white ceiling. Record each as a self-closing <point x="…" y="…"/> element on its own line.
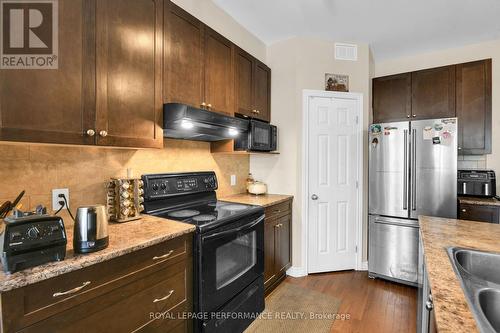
<point x="392" y="27"/>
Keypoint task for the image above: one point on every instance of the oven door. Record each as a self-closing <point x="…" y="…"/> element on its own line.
<point x="232" y="257"/>
<point x="260" y="136"/>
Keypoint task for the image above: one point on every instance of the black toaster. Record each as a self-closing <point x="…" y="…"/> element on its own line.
<point x="477" y="183"/>
<point x="31" y="240"/>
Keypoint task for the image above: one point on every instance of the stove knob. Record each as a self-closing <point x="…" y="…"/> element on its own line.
<point x="33" y="232"/>
<point x="163" y="186"/>
<point x="155" y="187"/>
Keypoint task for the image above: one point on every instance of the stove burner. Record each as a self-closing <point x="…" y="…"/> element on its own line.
<point x="204" y="218"/>
<point x="235" y="207"/>
<point x="185" y="213"/>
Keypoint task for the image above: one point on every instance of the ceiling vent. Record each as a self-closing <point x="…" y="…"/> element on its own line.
<point x="346" y="52"/>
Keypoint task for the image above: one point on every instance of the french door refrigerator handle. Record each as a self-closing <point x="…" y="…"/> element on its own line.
<point x="413" y="169"/>
<point x="405" y="172"/>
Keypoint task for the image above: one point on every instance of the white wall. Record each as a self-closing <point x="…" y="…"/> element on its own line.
<point x="207" y="12"/>
<point x="467" y="53"/>
<point x="297" y="64"/>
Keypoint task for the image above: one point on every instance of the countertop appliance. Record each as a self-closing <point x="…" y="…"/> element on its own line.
<point x="261" y="136"/>
<point x="228" y="247"/>
<point x="182" y="121"/>
<point x="412" y="172"/>
<point x="90" y="229"/>
<point x="29" y="239"/>
<point x="476" y="183"/>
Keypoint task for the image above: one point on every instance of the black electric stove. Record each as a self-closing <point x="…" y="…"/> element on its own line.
<point x="228" y="247"/>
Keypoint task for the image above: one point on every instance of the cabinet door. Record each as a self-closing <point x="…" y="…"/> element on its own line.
<point x="433" y="93"/>
<point x="283" y="244"/>
<point x="392" y="98"/>
<point x="219" y="78"/>
<point x="474" y="107"/>
<point x="128" y="62"/>
<point x="262" y="91"/>
<point x="54" y="105"/>
<point x="479" y="213"/>
<point x="244" y="83"/>
<point x="183" y="57"/>
<point x="269" y="255"/>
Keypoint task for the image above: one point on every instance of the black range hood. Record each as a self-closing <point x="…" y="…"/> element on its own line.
<point x="181" y="121"/>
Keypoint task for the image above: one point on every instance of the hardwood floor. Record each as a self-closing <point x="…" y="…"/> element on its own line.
<point x="373" y="305"/>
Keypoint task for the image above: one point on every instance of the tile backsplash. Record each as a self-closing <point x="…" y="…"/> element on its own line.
<point x="84" y="170"/>
<point x="471" y="162"/>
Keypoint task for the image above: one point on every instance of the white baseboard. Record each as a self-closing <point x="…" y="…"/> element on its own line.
<point x="296" y="271"/>
<point x="364" y="266"/>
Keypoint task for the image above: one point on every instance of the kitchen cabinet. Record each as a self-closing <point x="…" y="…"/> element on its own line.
<point x="473" y="102"/>
<point x="433" y="93"/>
<point x="481" y="213"/>
<point x="277" y="244"/>
<point x="128" y="76"/>
<point x="253" y="86"/>
<point x="392" y="98"/>
<point x="198" y="63"/>
<point x="107" y="89"/>
<point x="97" y="298"/>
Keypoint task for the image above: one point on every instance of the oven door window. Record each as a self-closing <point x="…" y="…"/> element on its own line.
<point x="235" y="258"/>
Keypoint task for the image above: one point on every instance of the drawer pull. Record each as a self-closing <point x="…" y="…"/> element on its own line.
<point x="71" y="291"/>
<point x="277" y="211"/>
<point x="163" y="256"/>
<point x="156" y="300"/>
<point x="464" y="210"/>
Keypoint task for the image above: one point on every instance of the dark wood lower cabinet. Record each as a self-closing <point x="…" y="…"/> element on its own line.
<point x="481" y="213"/>
<point x="146" y="295"/>
<point x="277" y="244"/>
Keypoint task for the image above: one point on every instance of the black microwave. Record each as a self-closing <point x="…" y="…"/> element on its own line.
<point x="261" y="136"/>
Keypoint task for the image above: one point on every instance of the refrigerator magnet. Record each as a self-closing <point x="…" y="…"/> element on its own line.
<point x="446" y="134"/>
<point x="436" y="140"/>
<point x="376" y="129"/>
<point x="438" y="127"/>
<point x="428" y="133"/>
<point x="374" y="142"/>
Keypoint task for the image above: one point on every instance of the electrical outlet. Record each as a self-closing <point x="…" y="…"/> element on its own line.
<point x="233" y="180"/>
<point x="56" y="199"/>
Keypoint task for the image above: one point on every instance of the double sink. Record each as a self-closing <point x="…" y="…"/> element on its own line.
<point x="479" y="274"/>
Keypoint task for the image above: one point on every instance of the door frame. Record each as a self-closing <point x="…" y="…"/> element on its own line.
<point x="306" y="96"/>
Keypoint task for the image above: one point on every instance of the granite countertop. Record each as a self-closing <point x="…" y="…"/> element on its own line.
<point x="263" y="200"/>
<point x="479" y="201"/>
<point x="123" y="238"/>
<point x="450" y="304"/>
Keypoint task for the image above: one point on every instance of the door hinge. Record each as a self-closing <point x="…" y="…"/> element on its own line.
<point x="356" y="249"/>
<point x="357" y="184"/>
<point x="357" y="120"/>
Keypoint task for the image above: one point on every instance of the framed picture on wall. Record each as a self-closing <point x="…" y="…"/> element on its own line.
<point x="336" y="82"/>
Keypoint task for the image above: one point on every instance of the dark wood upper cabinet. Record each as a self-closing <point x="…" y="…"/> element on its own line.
<point x="183" y="57"/>
<point x="433" y="93"/>
<point x="128" y="82"/>
<point x="474" y="107"/>
<point x="218" y="72"/>
<point x="54" y="105"/>
<point x="392" y="98"/>
<point x="262" y="94"/>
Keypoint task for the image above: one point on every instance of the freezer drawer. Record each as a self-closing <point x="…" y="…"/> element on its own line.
<point x="393" y="249"/>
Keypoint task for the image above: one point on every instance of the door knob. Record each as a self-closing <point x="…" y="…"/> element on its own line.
<point x="90" y="132"/>
<point x="314" y="197"/>
<point x="103" y="133"/>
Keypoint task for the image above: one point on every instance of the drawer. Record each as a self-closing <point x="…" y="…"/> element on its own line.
<point x="46" y="298"/>
<point x="279" y="209"/>
<point x="132" y="307"/>
<point x="479" y="213"/>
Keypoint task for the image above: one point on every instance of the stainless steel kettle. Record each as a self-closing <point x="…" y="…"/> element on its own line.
<point x="91" y="229"/>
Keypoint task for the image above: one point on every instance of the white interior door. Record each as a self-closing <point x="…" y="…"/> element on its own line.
<point x="333" y="171"/>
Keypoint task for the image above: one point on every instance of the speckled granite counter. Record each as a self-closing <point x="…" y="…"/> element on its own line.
<point x="450" y="305"/>
<point x="123" y="238"/>
<point x="479" y="201"/>
<point x="263" y="200"/>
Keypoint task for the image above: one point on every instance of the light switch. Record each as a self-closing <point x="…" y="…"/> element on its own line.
<point x="233" y="180"/>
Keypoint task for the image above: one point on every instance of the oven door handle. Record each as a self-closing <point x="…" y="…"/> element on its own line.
<point x="233" y="231"/>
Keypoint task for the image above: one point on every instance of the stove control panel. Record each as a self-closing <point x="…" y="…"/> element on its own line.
<point x="159" y="186"/>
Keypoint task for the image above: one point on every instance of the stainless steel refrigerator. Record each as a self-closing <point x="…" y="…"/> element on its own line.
<point x="412" y="172"/>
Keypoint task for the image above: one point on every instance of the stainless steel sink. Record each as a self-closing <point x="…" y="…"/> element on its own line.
<point x="479" y="275"/>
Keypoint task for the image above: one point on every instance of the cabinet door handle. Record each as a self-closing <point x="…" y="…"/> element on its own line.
<point x="277" y="211"/>
<point x="257" y="111"/>
<point x="90" y="132"/>
<point x="103" y="133"/>
<point x="209" y="105"/>
<point x="408" y="116"/>
<point x="166" y="255"/>
<point x="203" y="104"/>
<point x="156" y="300"/>
<point x="71" y="291"/>
<point x="464" y="210"/>
<point x="414" y="115"/>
